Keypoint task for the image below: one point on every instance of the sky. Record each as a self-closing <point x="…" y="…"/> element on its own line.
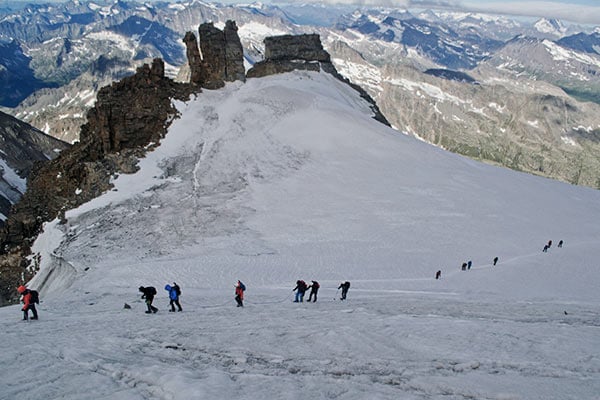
<point x="580" y="11"/>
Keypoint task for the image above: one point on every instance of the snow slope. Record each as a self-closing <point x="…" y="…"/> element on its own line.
<point x="285" y="178"/>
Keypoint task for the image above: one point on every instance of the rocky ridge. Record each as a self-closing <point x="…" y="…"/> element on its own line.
<point x="21" y="147"/>
<point x="129" y="118"/>
<point x="287" y="53"/>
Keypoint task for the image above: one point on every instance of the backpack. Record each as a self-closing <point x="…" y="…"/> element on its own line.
<point x="348" y="284"/>
<point x="316" y="285"/>
<point x="242" y="286"/>
<point x="177" y="290"/>
<point x="35" y="296"/>
<point x="151" y="291"/>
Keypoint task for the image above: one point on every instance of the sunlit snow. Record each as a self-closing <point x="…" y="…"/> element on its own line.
<point x="288" y="177"/>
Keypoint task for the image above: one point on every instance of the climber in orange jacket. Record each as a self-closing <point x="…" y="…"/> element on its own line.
<point x="28" y="303"/>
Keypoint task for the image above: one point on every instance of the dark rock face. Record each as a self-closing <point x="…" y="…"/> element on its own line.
<point x="234" y="54"/>
<point x="296" y="47"/>
<point x="287" y="53"/>
<point x="21" y="146"/>
<point x="212" y="46"/>
<point x="222" y="52"/>
<point x="194" y="59"/>
<point x="128" y="117"/>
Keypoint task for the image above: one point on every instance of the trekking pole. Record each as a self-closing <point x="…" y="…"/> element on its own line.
<point x="336" y="293"/>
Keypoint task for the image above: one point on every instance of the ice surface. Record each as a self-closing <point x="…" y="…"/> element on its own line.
<point x="285" y="178"/>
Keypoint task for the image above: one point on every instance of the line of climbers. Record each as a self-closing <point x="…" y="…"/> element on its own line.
<point x="30" y="297"/>
<point x="148" y="293"/>
<point x="302" y="287"/>
<point x="467" y="265"/>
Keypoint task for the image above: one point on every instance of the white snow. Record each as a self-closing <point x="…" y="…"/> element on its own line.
<point x="423" y="89"/>
<point x="553" y="27"/>
<point x="568" y="140"/>
<point x="497" y="107"/>
<point x="12" y="178"/>
<point x="256" y="31"/>
<point x="288" y="177"/>
<point x="367" y="74"/>
<point x="117" y="40"/>
<point x="560" y="53"/>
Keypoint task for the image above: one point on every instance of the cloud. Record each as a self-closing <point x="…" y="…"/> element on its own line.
<point x="550" y="9"/>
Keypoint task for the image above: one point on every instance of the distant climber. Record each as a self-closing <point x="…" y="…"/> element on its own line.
<point x="174" y="293"/>
<point x="314" y="288"/>
<point x="545" y="249"/>
<point x="469" y="264"/>
<point x="438" y="274"/>
<point x="549" y="243"/>
<point x="464" y="266"/>
<point x="560" y="243"/>
<point x="344" y="286"/>
<point x="148" y="294"/>
<point x="30" y="297"/>
<point x="300" y="290"/>
<point x="495" y="260"/>
<point x="240" y="288"/>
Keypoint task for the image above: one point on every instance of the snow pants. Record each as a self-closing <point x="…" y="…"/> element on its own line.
<point x="151" y="308"/>
<point x="239" y="301"/>
<point x="33" y="311"/>
<point x="344" y="292"/>
<point x="174" y="302"/>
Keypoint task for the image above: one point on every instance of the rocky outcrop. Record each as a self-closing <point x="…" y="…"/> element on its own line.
<point x="130" y="117"/>
<point x="222" y="52"/>
<point x="287" y="53"/>
<point x="194" y="59"/>
<point x="21" y="146"/>
<point x="296" y="47"/>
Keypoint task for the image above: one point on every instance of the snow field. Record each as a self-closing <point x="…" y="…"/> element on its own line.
<point x="285" y="178"/>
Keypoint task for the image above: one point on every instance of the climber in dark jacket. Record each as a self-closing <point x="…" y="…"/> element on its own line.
<point x="300" y="290"/>
<point x="148" y="294"/>
<point x="344" y="286"/>
<point x="314" y="289"/>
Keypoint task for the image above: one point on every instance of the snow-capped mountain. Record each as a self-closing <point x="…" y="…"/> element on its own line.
<point x="563" y="63"/>
<point x="373" y="47"/>
<point x="21" y="145"/>
<point x="289" y="177"/>
<point x="582" y="42"/>
<point x="552" y="27"/>
<point x="72" y="49"/>
<point x="438" y="42"/>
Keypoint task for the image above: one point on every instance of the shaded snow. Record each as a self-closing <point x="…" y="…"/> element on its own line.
<point x="285" y="178"/>
<point x="12" y="178"/>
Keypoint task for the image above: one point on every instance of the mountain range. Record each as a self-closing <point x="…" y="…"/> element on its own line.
<point x="68" y="51"/>
<point x="285" y="178"/>
<point x="288" y="174"/>
<point x="21" y="146"/>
